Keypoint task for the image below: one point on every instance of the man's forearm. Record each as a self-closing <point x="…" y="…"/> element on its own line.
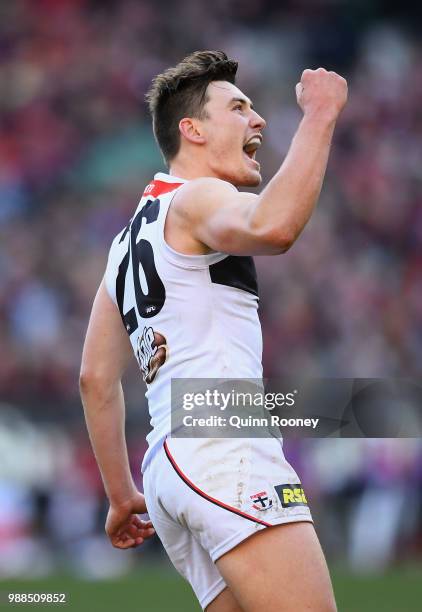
<point x="285" y="205"/>
<point x="105" y="417"/>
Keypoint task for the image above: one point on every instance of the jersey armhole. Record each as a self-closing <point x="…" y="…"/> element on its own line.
<point x="110" y="287"/>
<point x="110" y="274"/>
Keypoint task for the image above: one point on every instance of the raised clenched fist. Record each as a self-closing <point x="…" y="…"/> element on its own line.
<point x="321" y="92"/>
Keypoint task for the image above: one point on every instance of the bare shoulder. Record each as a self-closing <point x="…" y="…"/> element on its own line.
<point x="206" y="185"/>
<point x="209" y="192"/>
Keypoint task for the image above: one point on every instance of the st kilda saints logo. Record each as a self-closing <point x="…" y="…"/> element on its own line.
<point x="261" y="501"/>
<point x="151" y="353"/>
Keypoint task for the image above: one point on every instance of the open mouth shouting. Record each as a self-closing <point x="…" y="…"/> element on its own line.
<point x="251" y="146"/>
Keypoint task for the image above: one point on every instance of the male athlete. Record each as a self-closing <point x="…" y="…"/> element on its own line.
<point x="180" y="292"/>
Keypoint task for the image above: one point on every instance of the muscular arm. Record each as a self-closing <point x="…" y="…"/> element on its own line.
<point x="225" y="220"/>
<point x="106" y="354"/>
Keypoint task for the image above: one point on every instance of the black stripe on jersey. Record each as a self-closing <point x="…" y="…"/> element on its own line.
<point x="125" y="231"/>
<point x="236" y="271"/>
<point x="129" y="319"/>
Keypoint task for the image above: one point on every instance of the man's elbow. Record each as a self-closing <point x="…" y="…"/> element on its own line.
<point x="278" y="240"/>
<point x="92" y="381"/>
<point x="274" y="240"/>
<point x="85" y="382"/>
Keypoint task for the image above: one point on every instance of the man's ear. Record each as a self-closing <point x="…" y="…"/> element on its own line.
<point x="190" y="128"/>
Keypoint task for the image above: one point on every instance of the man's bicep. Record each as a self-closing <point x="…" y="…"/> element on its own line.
<point x="218" y="216"/>
<point x="226" y="227"/>
<point x="107" y="349"/>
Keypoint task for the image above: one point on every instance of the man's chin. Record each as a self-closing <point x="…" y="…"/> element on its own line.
<point x="251" y="179"/>
<point x="243" y="177"/>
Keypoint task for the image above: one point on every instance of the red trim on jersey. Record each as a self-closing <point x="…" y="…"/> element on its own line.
<point x="157" y="188"/>
<point x="205" y="495"/>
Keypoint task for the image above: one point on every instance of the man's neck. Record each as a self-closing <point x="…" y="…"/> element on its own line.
<point x="190" y="168"/>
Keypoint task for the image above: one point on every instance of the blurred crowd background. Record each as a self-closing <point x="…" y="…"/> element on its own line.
<point x="76" y="150"/>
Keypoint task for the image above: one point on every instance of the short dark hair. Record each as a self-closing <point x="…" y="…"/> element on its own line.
<point x="181" y="92"/>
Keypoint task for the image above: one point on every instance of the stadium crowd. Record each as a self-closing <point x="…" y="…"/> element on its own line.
<point x="76" y="150"/>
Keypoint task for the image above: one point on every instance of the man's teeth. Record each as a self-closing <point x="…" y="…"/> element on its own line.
<point x="252" y="145"/>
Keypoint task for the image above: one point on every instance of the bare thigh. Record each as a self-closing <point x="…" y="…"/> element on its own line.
<point x="279" y="569"/>
<point x="224" y="602"/>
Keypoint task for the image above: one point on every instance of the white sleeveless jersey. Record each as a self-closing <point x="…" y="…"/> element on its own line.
<point x="187" y="316"/>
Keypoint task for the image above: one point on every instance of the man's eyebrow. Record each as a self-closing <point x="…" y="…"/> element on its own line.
<point x="242" y="101"/>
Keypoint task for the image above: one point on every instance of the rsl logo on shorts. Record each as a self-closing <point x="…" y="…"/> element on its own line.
<point x="291" y="495"/>
<point x="261" y="501"/>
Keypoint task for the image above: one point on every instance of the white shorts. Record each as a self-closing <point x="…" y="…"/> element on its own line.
<point x="205" y="496"/>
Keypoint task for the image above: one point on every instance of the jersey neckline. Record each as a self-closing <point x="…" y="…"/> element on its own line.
<point x="169" y="178"/>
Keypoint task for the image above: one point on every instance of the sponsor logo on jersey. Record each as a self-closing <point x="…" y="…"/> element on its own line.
<point x="151" y="353"/>
<point x="261" y="501"/>
<point x="157" y="188"/>
<point x="291" y="495"/>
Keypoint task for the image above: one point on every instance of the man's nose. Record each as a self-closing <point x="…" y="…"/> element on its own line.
<point x="257" y="121"/>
